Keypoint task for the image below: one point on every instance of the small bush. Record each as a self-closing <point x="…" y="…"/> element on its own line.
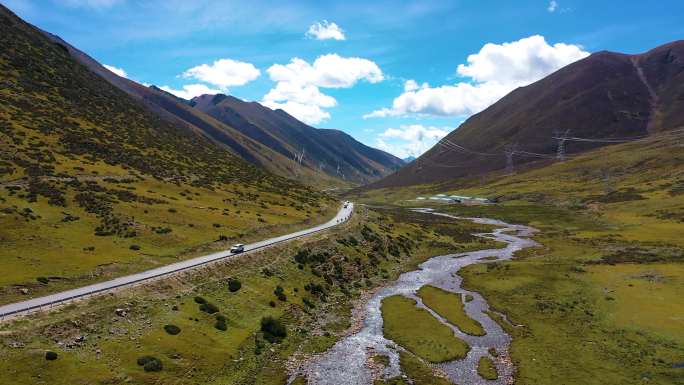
<point x="234" y="285"/>
<point x="272" y="304"/>
<point x="172" y="329"/>
<point x="43" y="280"/>
<point x="274" y="331"/>
<point x="200" y="300"/>
<point x="135" y="247"/>
<point x="50" y="356"/>
<point x="280" y="293"/>
<point x="221" y="324"/>
<point x="150" y="364"/>
<point x="209" y="307"/>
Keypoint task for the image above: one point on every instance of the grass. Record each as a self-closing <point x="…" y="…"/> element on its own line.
<point x="419" y="332"/>
<point x="486" y="369"/>
<point x="599" y="298"/>
<point x="201" y="354"/>
<point x="93" y="185"/>
<point x="450" y="306"/>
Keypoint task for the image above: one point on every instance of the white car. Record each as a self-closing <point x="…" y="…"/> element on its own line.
<point x="237" y="248"/>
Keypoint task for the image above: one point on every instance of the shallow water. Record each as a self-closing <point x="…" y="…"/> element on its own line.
<point x="346" y="362"/>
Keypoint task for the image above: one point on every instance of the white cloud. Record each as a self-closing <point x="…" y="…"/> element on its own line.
<point x="522" y="61"/>
<point x="116" y="70"/>
<point x="325" y="30"/>
<point x="410" y="140"/>
<point x="189" y="91"/>
<point x="494" y="72"/>
<point x="298" y="84"/>
<point x="553" y="5"/>
<point x="224" y="73"/>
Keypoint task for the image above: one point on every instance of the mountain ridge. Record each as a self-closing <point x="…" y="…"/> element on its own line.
<point x="337" y="154"/>
<point x="606" y="96"/>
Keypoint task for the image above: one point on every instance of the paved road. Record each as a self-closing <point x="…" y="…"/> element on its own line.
<point x="37" y="304"/>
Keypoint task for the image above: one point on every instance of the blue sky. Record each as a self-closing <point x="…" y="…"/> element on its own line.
<point x="395" y="75"/>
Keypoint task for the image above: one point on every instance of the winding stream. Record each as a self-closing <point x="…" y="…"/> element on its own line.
<point x="346" y="362"/>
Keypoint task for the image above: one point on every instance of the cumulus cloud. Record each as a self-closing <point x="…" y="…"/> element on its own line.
<point x="298" y="84"/>
<point x="224" y="73"/>
<point x="325" y="30"/>
<point x="116" y="70"/>
<point x="553" y="5"/>
<point x="410" y="140"/>
<point x="494" y="71"/>
<point x="189" y="91"/>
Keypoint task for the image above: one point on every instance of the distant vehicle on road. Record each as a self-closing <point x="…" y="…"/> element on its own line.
<point x="237" y="248"/>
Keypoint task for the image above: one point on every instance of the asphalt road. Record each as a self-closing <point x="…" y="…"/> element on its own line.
<point x="37" y="304"/>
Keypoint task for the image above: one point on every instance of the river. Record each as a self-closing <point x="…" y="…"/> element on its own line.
<point x="346" y="362"/>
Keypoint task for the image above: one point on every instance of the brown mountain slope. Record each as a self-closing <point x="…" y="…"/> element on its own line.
<point x="178" y="112"/>
<point x="330" y="151"/>
<point x="605" y="96"/>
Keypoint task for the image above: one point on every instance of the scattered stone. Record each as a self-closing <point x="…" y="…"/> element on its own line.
<point x="24" y="291"/>
<point x="121" y="312"/>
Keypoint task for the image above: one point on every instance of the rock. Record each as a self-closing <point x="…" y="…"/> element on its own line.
<point x="16" y="345"/>
<point x="24" y="291"/>
<point x="120" y="312"/>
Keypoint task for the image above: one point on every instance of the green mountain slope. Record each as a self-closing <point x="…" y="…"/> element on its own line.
<point x="93" y="184"/>
<point x="179" y="113"/>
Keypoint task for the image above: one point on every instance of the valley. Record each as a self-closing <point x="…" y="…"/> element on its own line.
<point x="236" y="199"/>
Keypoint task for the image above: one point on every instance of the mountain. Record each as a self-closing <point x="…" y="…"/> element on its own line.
<point x="409" y="159"/>
<point x="268" y="138"/>
<point x="600" y="100"/>
<point x="178" y="112"/>
<point x="93" y="183"/>
<point x="330" y="151"/>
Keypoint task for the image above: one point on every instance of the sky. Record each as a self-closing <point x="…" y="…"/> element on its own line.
<point x="396" y="75"/>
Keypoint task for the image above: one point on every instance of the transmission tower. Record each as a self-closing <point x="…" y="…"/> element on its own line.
<point x="561" y="138"/>
<point x="510" y="150"/>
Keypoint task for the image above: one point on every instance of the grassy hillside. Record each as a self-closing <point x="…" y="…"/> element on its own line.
<point x="179" y="113"/>
<point x="601" y="298"/>
<point x="606" y="95"/>
<point x="319" y="278"/>
<point x="327" y="152"/>
<point x="93" y="185"/>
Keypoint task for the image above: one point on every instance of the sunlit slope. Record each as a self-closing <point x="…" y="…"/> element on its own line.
<point x="92" y="184"/>
<point x="593" y="102"/>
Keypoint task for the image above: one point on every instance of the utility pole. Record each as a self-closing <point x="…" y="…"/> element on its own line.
<point x="560" y="154"/>
<point x="510" y="150"/>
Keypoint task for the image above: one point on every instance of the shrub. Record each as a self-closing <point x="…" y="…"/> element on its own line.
<point x="221" y="324"/>
<point x="234" y="285"/>
<point x="50" y="356"/>
<point x="150" y="364"/>
<point x="200" y="300"/>
<point x="272" y="304"/>
<point x="43" y="280"/>
<point x="280" y="293"/>
<point x="274" y="331"/>
<point x="135" y="247"/>
<point x="172" y="329"/>
<point x="209" y="307"/>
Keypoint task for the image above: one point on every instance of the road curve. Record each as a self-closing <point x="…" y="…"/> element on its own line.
<point x="37" y="304"/>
